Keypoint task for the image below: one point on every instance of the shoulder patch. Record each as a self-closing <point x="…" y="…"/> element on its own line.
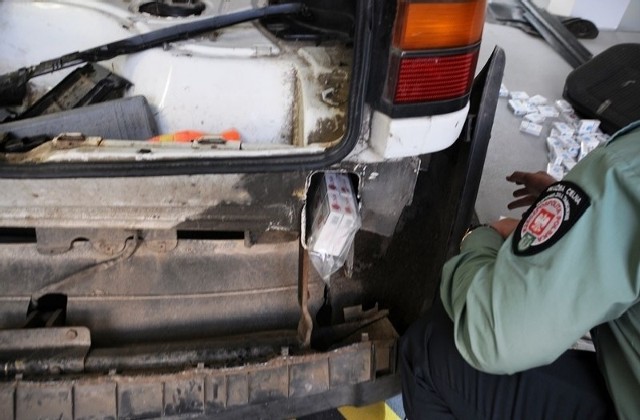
<point x="555" y="212"/>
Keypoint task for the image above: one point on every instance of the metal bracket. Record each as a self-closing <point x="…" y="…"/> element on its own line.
<point x="59" y="240"/>
<point x="305" y="326"/>
<point x="43" y="350"/>
<point x="106" y="241"/>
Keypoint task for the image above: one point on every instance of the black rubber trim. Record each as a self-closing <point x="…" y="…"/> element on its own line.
<point x="423" y="108"/>
<point x="483" y="104"/>
<point x="301" y="162"/>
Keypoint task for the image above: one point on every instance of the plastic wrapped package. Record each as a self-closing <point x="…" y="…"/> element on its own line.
<point x="335" y="221"/>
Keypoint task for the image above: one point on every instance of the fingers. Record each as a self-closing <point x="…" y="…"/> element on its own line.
<point x="521" y="192"/>
<point x="518" y="177"/>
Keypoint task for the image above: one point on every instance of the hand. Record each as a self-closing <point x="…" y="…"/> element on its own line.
<point x="534" y="183"/>
<point x="505" y="226"/>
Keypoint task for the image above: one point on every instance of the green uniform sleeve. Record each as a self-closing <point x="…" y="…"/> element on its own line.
<point x="513" y="312"/>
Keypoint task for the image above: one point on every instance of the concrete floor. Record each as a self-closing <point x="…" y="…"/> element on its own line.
<point x="532" y="66"/>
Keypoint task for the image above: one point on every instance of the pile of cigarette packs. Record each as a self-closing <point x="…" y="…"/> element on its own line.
<point x="569" y="138"/>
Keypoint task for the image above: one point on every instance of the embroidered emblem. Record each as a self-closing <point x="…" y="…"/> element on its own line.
<point x="557" y="209"/>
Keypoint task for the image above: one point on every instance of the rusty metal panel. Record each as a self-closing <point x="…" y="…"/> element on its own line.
<point x="237" y="390"/>
<point x="308" y="378"/>
<point x="225" y="392"/>
<point x="184" y="397"/>
<point x="94" y="401"/>
<point x="215" y="388"/>
<point x="214" y="288"/>
<point x="259" y="202"/>
<point x="47" y="401"/>
<point x="268" y="385"/>
<point x="350" y="367"/>
<point x="7" y="395"/>
<point x="139" y="400"/>
<point x="44" y="350"/>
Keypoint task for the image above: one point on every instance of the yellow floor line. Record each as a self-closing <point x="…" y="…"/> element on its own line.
<point x="378" y="411"/>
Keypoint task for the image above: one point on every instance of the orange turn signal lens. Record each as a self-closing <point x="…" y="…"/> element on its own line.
<point x="434" y="24"/>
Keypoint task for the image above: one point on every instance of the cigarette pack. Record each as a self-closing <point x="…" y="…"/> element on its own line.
<point x="548" y="111"/>
<point x="564" y="129"/>
<point x="518" y="107"/>
<point x="537" y="100"/>
<point x="556" y="171"/>
<point x="563" y="106"/>
<point x="587" y="147"/>
<point x="519" y="95"/>
<point x="531" y="128"/>
<point x="504" y="92"/>
<point x="570" y="118"/>
<point x="569" y="164"/>
<point x="535" y="118"/>
<point x="562" y="150"/>
<point x="588" y="126"/>
<point x="335" y="216"/>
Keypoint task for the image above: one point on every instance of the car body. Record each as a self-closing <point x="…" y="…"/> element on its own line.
<point x="146" y="279"/>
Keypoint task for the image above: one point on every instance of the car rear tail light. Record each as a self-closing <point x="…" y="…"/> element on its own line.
<point x="438" y="24"/>
<point x="435" y="78"/>
<point x="433" y="55"/>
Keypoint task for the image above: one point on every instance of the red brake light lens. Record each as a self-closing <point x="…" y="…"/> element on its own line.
<point x="434" y="78"/>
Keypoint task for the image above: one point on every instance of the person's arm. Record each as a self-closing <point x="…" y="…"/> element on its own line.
<point x="517" y="306"/>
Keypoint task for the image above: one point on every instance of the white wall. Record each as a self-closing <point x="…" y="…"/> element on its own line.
<point x="631" y="19"/>
<point x="561" y="7"/>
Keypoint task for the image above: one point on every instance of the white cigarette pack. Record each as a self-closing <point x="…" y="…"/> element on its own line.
<point x="519" y="95"/>
<point x="588" y="126"/>
<point x="587" y="147"/>
<point x="569" y="164"/>
<point x="504" y="92"/>
<point x="564" y="106"/>
<point x="537" y="100"/>
<point x="564" y="129"/>
<point x="535" y="118"/>
<point x="556" y="171"/>
<point x="518" y="107"/>
<point x="335" y="216"/>
<point x="570" y="118"/>
<point x="531" y="128"/>
<point x="548" y="111"/>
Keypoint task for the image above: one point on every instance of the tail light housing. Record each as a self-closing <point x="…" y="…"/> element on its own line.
<point x="432" y="56"/>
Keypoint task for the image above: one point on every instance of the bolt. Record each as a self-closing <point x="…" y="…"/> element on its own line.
<point x="284" y="351"/>
<point x="71" y="334"/>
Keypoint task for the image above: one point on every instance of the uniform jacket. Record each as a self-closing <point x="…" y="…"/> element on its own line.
<point x="572" y="265"/>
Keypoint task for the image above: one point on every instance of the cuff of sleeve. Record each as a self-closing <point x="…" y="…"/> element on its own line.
<point x="482" y="237"/>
